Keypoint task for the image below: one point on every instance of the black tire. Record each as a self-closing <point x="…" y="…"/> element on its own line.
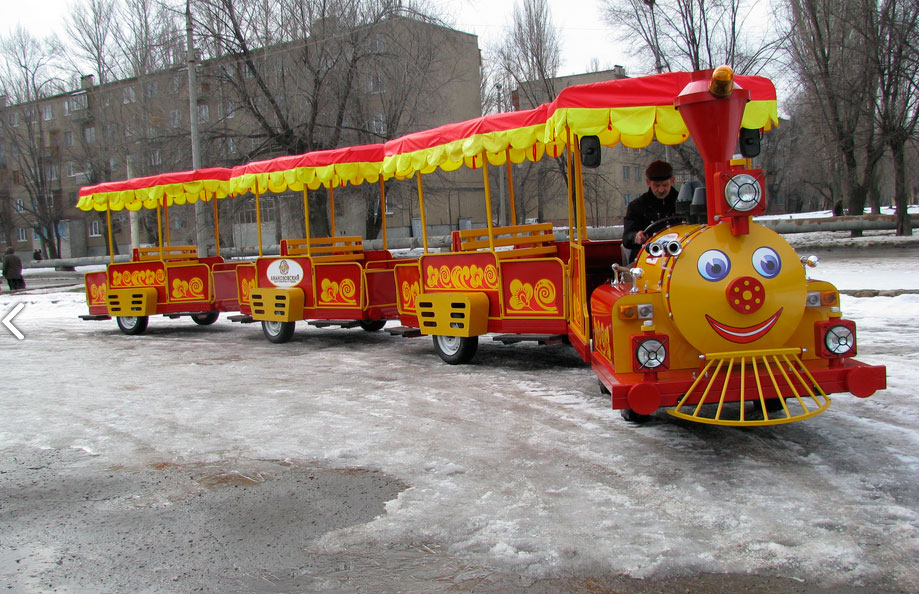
<point x="132" y="325"/>
<point x="772" y="405"/>
<point x="632" y="416"/>
<point x="205" y="319"/>
<point x="455" y="350"/>
<point x="278" y="332"/>
<point x="372" y="325"/>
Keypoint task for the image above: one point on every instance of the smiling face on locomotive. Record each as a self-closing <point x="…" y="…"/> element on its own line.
<point x="736" y="292"/>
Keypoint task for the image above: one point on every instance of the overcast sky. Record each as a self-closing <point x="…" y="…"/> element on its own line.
<point x="583" y="33"/>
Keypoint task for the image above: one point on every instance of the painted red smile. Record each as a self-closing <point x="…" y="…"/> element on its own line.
<point x="744" y="335"/>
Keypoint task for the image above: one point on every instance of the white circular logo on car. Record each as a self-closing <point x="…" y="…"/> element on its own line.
<point x="285" y="273"/>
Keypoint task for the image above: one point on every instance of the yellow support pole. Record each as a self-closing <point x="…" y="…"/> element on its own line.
<point x="425" y="234"/>
<point x="159" y="232"/>
<point x="383" y="211"/>
<point x="259" y="221"/>
<point x="217" y="228"/>
<point x="569" y="183"/>
<point x="166" y="223"/>
<point x="109" y="230"/>
<point x="511" y="188"/>
<point x="580" y="197"/>
<point x="307" y="220"/>
<point x="332" y="212"/>
<point x="492" y="245"/>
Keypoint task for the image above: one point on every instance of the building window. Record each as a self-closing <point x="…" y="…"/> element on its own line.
<point x="14" y="119"/>
<point x="95" y="229"/>
<point x="202" y="113"/>
<point x="175" y="118"/>
<point x="129" y="95"/>
<point x="53" y="172"/>
<point x="68" y="138"/>
<point x="19" y="205"/>
<point x="49" y="200"/>
<point x="47" y="112"/>
<point x="155" y="158"/>
<point x="627" y="199"/>
<point x="636" y="173"/>
<point x="229" y="108"/>
<point x="247" y="212"/>
<point x="113" y="164"/>
<point x="231" y="146"/>
<point x="89" y="134"/>
<point x="71" y="169"/>
<point x="378" y="125"/>
<point x="75" y="103"/>
<point x="150" y="90"/>
<point x="377" y="84"/>
<point x="21" y="234"/>
<point x="626" y="172"/>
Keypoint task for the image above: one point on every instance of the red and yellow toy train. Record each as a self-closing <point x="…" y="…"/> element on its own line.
<point x="712" y="315"/>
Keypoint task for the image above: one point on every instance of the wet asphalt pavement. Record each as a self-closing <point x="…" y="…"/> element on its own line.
<point x="70" y="524"/>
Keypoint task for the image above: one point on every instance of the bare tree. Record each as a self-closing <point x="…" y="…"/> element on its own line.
<point x="527" y="65"/>
<point x="896" y="67"/>
<point x="91" y="29"/>
<point x="530" y="54"/>
<point x="28" y="74"/>
<point x="835" y="68"/>
<point x="312" y="75"/>
<point x="695" y="34"/>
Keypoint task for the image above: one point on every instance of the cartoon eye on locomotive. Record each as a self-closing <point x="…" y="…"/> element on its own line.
<point x="720" y="313"/>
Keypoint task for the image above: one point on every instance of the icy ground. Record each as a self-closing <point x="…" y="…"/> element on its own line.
<point x="515" y="462"/>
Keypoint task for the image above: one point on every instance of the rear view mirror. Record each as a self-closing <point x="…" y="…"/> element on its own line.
<point x="590" y="148"/>
<point x="750" y="142"/>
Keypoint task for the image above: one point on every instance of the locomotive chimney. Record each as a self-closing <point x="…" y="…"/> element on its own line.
<point x="711" y="106"/>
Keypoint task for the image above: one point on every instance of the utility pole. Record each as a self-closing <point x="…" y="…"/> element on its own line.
<point x="133" y="215"/>
<point x="501" y="214"/>
<point x="202" y="220"/>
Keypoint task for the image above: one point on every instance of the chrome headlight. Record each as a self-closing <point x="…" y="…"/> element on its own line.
<point x="839" y="339"/>
<point x="650" y="353"/>
<point x="743" y="192"/>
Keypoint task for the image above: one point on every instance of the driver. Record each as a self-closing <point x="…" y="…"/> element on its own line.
<point x="657" y="203"/>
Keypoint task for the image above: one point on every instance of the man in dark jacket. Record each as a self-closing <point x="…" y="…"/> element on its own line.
<point x="12" y="270"/>
<point x="657" y="203"/>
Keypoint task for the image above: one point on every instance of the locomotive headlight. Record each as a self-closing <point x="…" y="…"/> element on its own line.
<point x="650" y="354"/>
<point x="839" y="339"/>
<point x="743" y="192"/>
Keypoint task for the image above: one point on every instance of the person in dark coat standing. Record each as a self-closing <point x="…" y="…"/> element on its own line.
<point x="656" y="203"/>
<point x="12" y="270"/>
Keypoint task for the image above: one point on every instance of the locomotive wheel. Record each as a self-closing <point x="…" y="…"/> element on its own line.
<point x="455" y="350"/>
<point x="372" y="325"/>
<point x="278" y="332"/>
<point x="205" y="319"/>
<point x="132" y="325"/>
<point x="632" y="416"/>
<point x="772" y="405"/>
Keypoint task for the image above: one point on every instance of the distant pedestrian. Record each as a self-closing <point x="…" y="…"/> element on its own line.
<point x="12" y="270"/>
<point x="37" y="255"/>
<point x="838" y="210"/>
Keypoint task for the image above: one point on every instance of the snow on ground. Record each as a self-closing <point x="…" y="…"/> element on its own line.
<point x="516" y="461"/>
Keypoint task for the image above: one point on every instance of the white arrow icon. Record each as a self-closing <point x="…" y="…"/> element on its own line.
<point x="8" y="320"/>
